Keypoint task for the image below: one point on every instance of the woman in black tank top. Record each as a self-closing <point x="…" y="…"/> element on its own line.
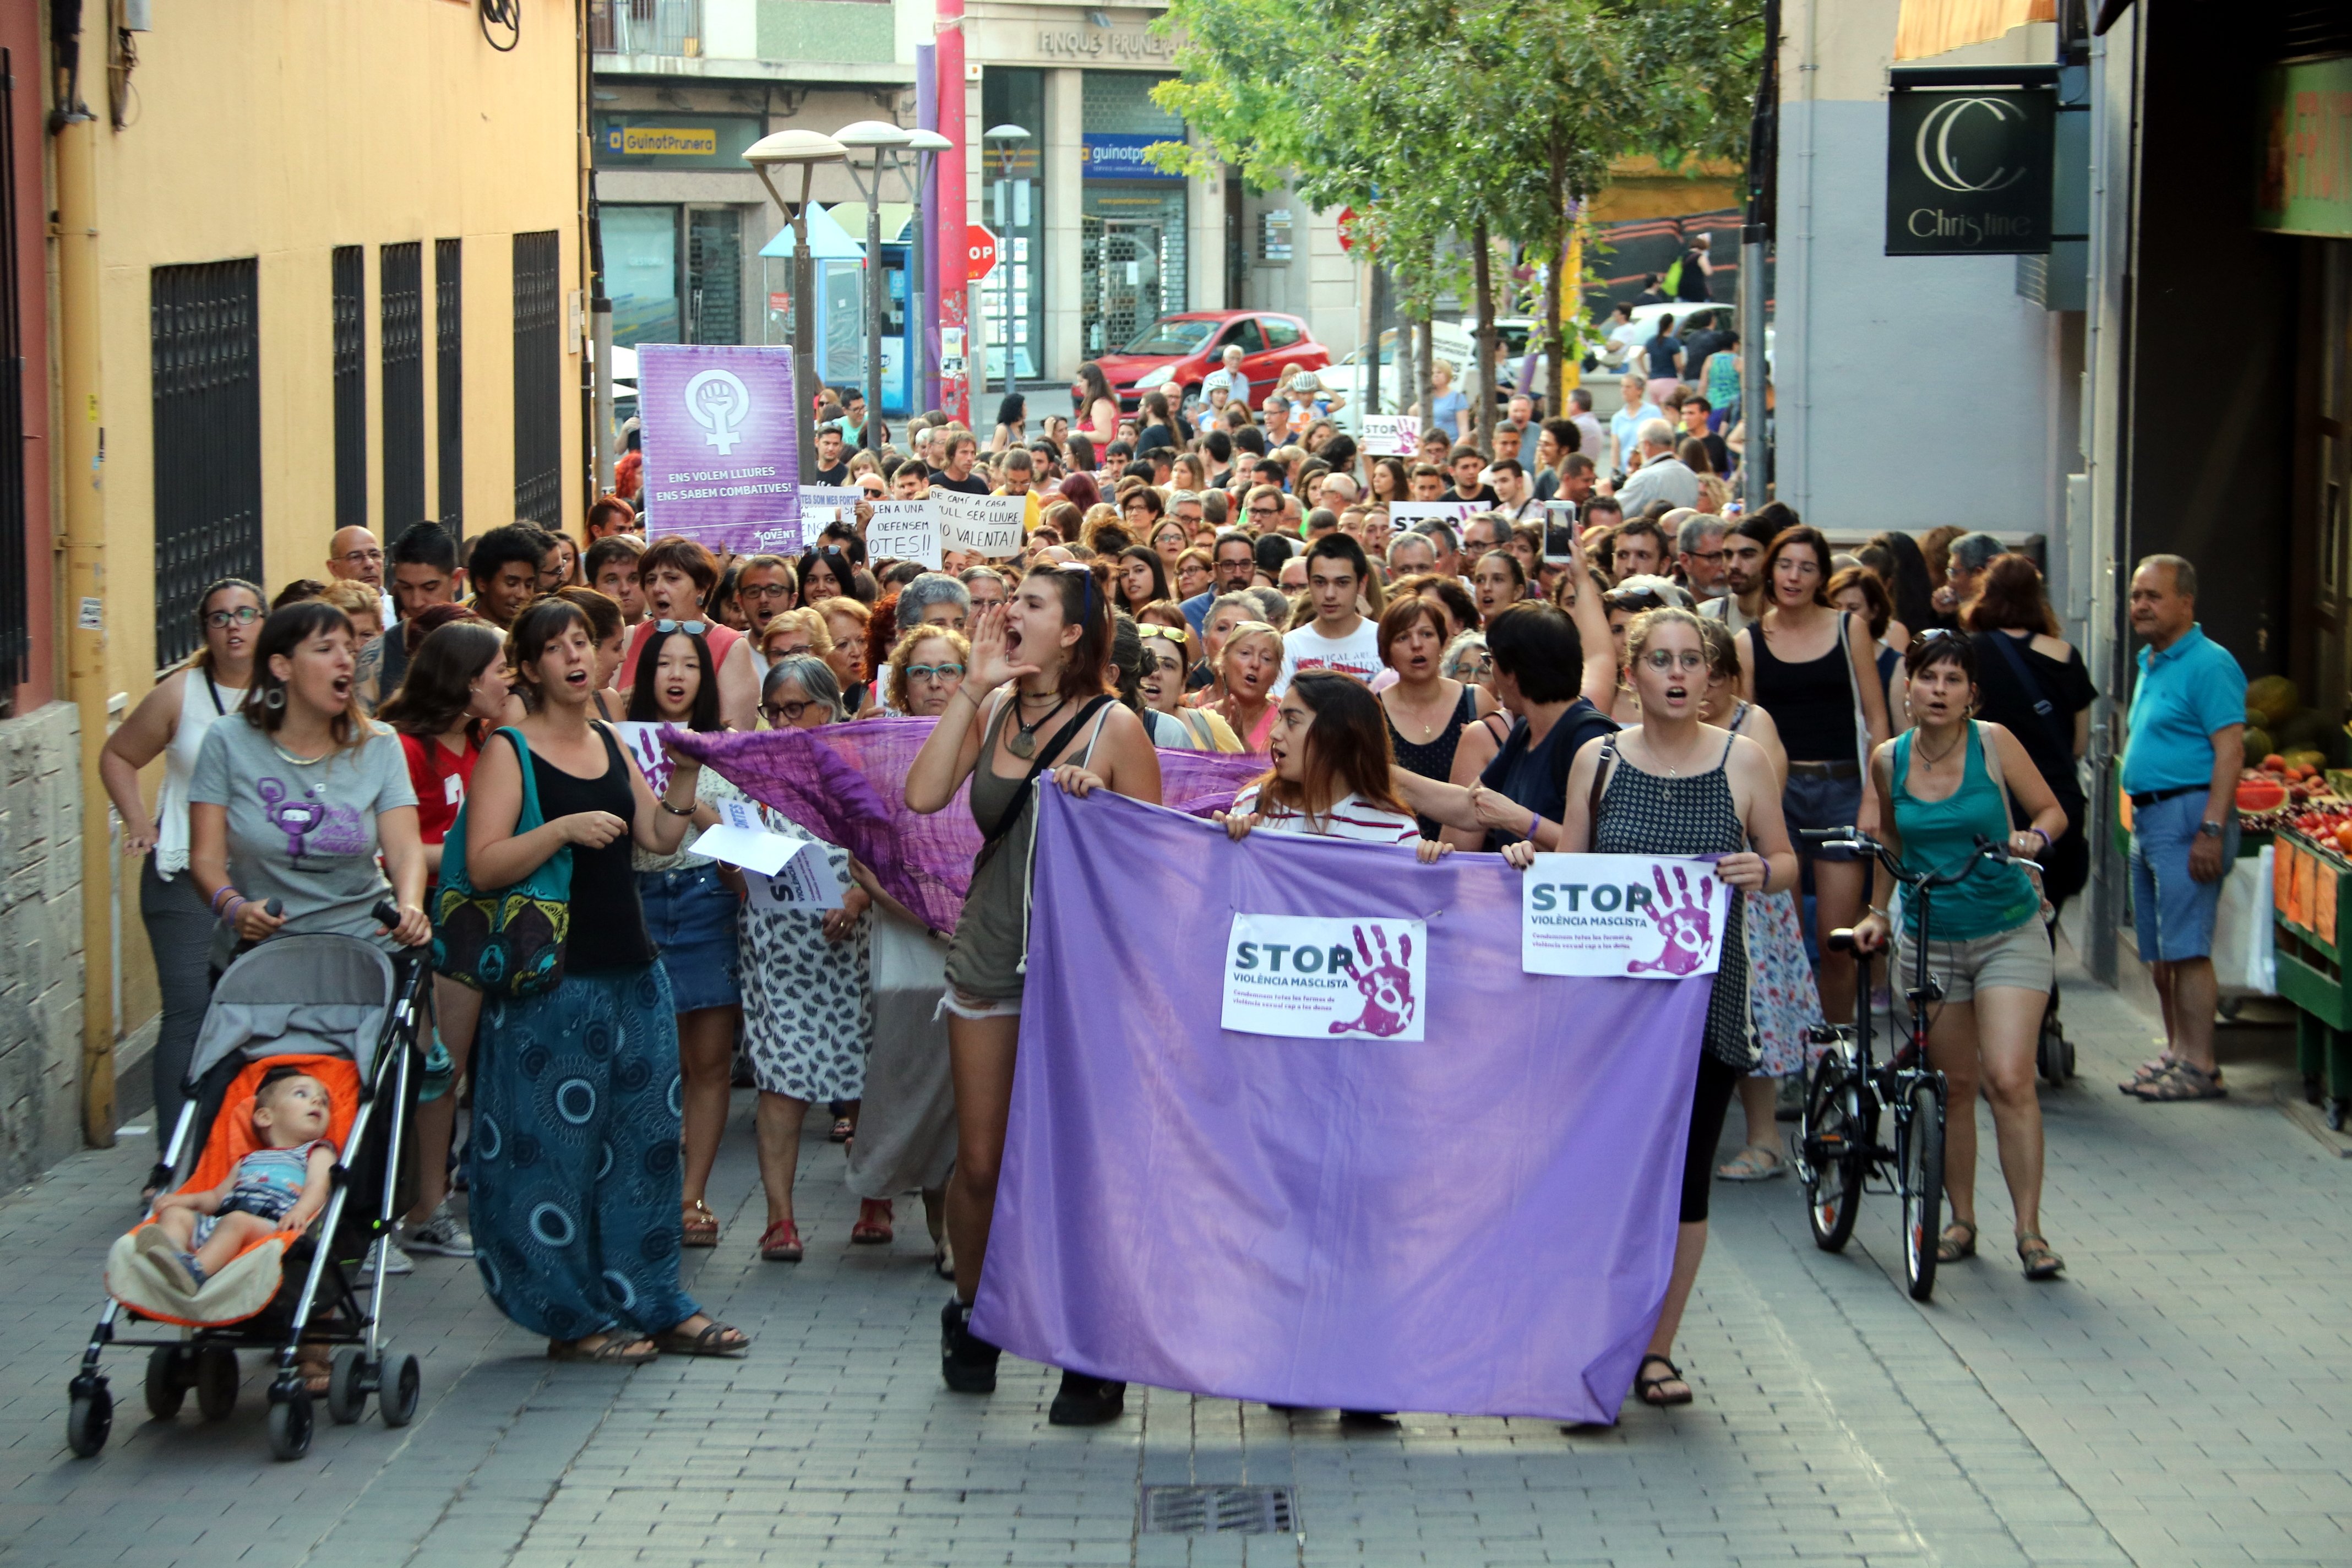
<point x="1426" y="711"/>
<point x="574" y="1173"/>
<point x="1809" y="667"/>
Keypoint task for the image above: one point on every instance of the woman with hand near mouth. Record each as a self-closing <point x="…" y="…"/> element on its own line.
<point x="1673" y="785"/>
<point x="690" y="905"/>
<point x="1034" y="699"/>
<point x="1247" y="667"/>
<point x="574" y="1154"/>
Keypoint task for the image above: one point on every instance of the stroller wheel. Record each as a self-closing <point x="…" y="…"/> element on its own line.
<point x="291" y="1421"/>
<point x="170" y="1371"/>
<point x="396" y="1395"/>
<point x="216" y="1380"/>
<point x="89" y="1416"/>
<point x="347" y="1388"/>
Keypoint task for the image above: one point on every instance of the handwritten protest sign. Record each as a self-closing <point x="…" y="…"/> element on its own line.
<point x="983" y="525"/>
<point x="905" y="530"/>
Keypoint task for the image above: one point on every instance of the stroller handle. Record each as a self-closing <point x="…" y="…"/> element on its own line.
<point x="387" y="914"/>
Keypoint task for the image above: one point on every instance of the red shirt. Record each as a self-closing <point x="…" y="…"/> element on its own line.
<point x="720" y="638"/>
<point x="440" y="777"/>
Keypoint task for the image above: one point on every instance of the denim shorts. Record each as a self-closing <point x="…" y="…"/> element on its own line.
<point x="2172" y="912"/>
<point x="2019" y="957"/>
<point x="690" y="915"/>
<point x="1809" y="800"/>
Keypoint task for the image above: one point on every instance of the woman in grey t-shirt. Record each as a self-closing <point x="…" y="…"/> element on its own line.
<point x="294" y="799"/>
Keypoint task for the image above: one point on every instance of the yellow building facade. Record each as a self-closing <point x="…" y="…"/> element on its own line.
<point x="338" y="278"/>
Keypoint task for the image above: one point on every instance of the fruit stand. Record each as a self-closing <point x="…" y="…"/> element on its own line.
<point x="2311" y="832"/>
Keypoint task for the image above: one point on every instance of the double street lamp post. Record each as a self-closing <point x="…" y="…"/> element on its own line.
<point x="807" y="149"/>
<point x="884" y="141"/>
<point x="1005" y="138"/>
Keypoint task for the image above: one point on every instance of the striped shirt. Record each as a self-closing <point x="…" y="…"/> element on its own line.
<point x="1349" y="817"/>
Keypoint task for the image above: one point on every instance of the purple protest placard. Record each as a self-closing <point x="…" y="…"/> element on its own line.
<point x="721" y="444"/>
<point x="1460" y="1195"/>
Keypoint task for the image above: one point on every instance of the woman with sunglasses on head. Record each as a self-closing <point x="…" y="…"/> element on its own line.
<point x="1942" y="788"/>
<point x="170" y="722"/>
<point x="1809" y="665"/>
<point x="690" y="904"/>
<point x="1674" y="785"/>
<point x="1033" y="700"/>
<point x="1166" y="663"/>
<point x="573" y="1161"/>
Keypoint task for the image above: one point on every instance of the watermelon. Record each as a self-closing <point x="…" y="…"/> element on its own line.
<point x="2258" y="742"/>
<point x="2272" y="696"/>
<point x="2261" y="795"/>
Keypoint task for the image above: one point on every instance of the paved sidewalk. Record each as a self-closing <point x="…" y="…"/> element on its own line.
<point x="2183" y="1397"/>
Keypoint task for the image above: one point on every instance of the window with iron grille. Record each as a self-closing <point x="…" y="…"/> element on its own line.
<point x="538" y="378"/>
<point x="449" y="375"/>
<point x="350" y="350"/>
<point x="204" y="337"/>
<point x="16" y="568"/>
<point x="400" y="297"/>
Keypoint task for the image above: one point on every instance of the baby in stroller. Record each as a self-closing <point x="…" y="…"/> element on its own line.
<point x="282" y="1184"/>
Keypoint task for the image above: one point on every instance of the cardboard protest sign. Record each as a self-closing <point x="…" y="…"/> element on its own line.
<point x="905" y="530"/>
<point x="983" y="525"/>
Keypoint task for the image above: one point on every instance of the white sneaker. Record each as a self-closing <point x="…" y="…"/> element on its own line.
<point x="387" y="1252"/>
<point x="443" y="1235"/>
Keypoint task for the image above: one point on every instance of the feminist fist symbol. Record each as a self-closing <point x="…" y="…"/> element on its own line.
<point x="1686" y="925"/>
<point x="1386" y="987"/>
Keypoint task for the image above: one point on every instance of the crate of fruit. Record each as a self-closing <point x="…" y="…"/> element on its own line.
<point x="2309" y="905"/>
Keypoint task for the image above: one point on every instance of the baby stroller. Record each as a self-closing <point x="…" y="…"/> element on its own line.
<point x="351" y="1017"/>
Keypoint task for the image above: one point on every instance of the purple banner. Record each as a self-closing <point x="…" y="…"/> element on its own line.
<point x="722" y="445"/>
<point x="1478" y="1223"/>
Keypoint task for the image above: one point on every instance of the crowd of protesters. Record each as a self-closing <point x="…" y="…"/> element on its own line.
<point x="1191" y="578"/>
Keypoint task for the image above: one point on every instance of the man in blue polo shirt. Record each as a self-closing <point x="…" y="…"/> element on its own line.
<point x="2187" y="739"/>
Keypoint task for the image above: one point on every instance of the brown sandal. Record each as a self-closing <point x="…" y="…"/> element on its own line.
<point x="2182" y="1080"/>
<point x="713" y="1338"/>
<point x="699" y="1225"/>
<point x="618" y="1350"/>
<point x="2041" y="1262"/>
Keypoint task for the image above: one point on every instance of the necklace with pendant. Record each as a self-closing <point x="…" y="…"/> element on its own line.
<point x="1023" y="742"/>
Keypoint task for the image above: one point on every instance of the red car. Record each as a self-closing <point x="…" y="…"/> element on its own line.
<point x="1178" y="352"/>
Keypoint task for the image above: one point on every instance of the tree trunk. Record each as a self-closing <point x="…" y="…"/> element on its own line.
<point x="1423" y="360"/>
<point x="1482" y="402"/>
<point x="1408" y="355"/>
<point x="1380" y="314"/>
<point x="1555" y="343"/>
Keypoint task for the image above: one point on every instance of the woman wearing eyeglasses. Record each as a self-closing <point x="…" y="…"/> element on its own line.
<point x="170" y="722"/>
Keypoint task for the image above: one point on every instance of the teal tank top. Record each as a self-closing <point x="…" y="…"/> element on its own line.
<point x="1937" y="833"/>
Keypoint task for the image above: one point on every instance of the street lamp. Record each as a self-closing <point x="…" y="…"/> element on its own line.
<point x="926" y="145"/>
<point x="1007" y="137"/>
<point x="882" y="139"/>
<point x="807" y="149"/>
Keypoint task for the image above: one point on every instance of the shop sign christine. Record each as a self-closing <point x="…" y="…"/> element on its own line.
<point x="2305" y="184"/>
<point x="1097" y="43"/>
<point x="1968" y="173"/>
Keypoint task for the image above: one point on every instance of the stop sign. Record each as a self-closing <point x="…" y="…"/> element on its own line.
<point x="1346" y="228"/>
<point x="980" y="241"/>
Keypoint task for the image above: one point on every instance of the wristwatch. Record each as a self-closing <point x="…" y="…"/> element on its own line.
<point x="2209" y="830"/>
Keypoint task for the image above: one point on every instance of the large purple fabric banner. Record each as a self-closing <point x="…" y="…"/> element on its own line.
<point x="722" y="445"/>
<point x="847" y="784"/>
<point x="1476" y="1221"/>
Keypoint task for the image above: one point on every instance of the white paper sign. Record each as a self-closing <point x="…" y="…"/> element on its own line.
<point x="905" y="530"/>
<point x="1404" y="514"/>
<point x="815" y="877"/>
<point x="740" y="839"/>
<point x="643" y="742"/>
<point x="1637" y="915"/>
<point x="985" y="525"/>
<point x="1391" y="435"/>
<point x="1317" y="978"/>
<point x="822" y="506"/>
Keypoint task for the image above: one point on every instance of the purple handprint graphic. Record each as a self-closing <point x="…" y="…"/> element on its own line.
<point x="1386" y="983"/>
<point x="1684" y="922"/>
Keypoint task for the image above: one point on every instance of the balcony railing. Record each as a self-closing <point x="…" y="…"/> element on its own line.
<point x="645" y="26"/>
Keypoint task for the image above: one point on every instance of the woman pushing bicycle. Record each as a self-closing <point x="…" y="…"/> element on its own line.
<point x="1942" y="788"/>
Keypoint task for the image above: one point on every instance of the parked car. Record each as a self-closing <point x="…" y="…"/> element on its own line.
<point x="1177" y="352"/>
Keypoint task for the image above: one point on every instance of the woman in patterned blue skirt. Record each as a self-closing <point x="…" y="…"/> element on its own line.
<point x="574" y="1164"/>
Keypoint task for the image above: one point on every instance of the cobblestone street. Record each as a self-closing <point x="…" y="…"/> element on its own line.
<point x="2182" y="1397"/>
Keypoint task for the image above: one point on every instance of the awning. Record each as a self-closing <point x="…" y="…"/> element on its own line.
<point x="897" y="218"/>
<point x="1930" y="27"/>
<point x="828" y="241"/>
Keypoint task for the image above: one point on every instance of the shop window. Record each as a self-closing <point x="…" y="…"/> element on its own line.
<point x="539" y="377"/>
<point x="449" y="379"/>
<point x="641" y="272"/>
<point x="714" y="274"/>
<point x="204" y="342"/>
<point x="1012" y="299"/>
<point x="400" y="346"/>
<point x="348" y="349"/>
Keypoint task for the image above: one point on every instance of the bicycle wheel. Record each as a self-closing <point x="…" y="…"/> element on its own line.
<point x="1922" y="1180"/>
<point x="1831" y="1150"/>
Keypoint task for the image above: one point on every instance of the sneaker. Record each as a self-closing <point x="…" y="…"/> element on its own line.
<point x="443" y="1235"/>
<point x="967" y="1362"/>
<point x="386" y="1251"/>
<point x="1084" y="1401"/>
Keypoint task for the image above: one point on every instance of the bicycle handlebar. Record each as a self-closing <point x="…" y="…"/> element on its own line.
<point x="1855" y="838"/>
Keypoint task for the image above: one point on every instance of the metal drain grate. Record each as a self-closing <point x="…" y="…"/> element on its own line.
<point x="1220" y="1511"/>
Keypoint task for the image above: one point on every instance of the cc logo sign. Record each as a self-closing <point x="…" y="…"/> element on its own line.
<point x="1933" y="146"/>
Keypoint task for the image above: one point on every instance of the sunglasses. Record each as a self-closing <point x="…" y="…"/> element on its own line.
<point x="691" y="628"/>
<point x="1170" y="633"/>
<point x="243" y="615"/>
<point x="1930" y="635"/>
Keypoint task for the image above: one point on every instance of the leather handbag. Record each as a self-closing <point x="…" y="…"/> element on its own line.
<point x="504" y="942"/>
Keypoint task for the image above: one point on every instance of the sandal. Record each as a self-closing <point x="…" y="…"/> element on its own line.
<point x="318" y="1370"/>
<point x="701" y="1226"/>
<point x="780" y="1242"/>
<point x="842" y="1128"/>
<point x="2154" y="1068"/>
<point x="713" y="1338"/>
<point x="616" y="1351"/>
<point x="2041" y="1262"/>
<point x="1958" y="1241"/>
<point x="1649" y="1389"/>
<point x="2182" y="1080"/>
<point x="873" y="1226"/>
<point x="1756" y="1163"/>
